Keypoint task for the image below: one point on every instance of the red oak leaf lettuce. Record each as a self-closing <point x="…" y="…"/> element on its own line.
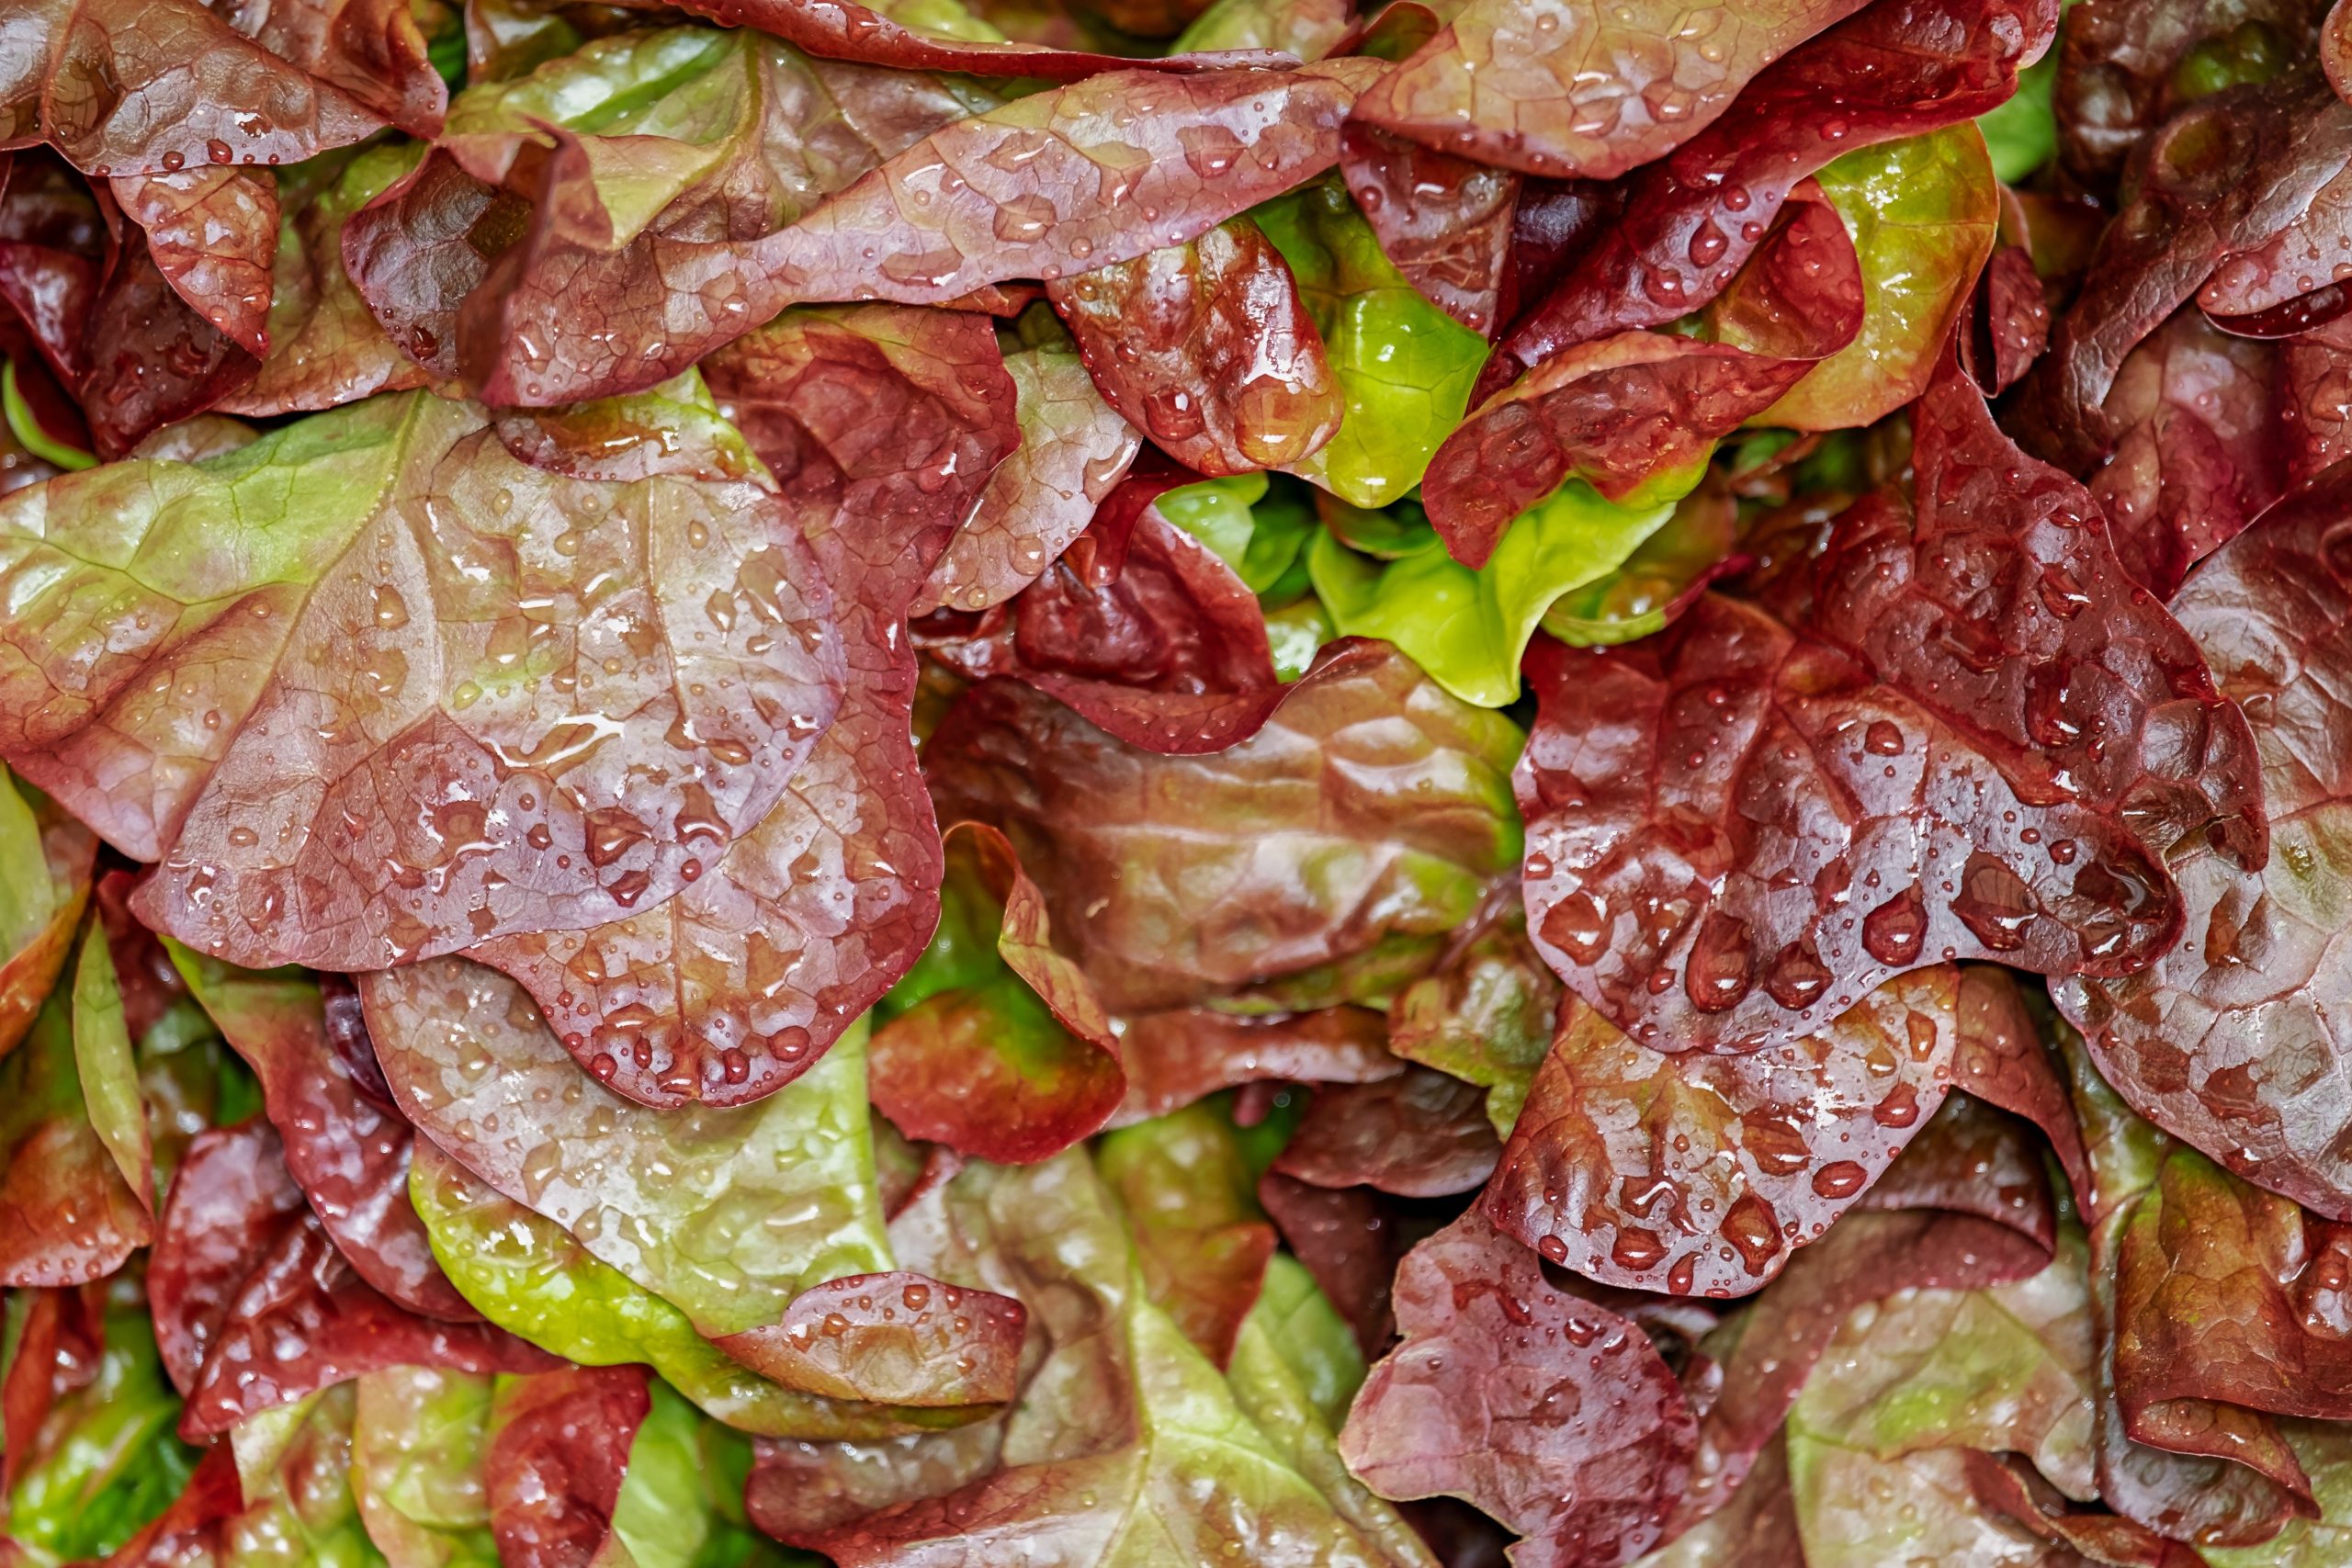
<point x="2229" y="1041"/>
<point x="1175" y="878"/>
<point x="1953" y="678"/>
<point x="737" y="986"/>
<point x="1550" y="1412"/>
<point x="1206" y="347"/>
<point x="1002" y="1051"/>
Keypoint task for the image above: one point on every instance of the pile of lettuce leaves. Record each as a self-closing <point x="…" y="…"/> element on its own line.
<point x="1130" y="782"/>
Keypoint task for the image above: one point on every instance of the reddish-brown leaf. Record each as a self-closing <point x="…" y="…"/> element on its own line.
<point x="1419" y="1135"/>
<point x="553" y="1471"/>
<point x="897" y="1338"/>
<point x="229" y="1201"/>
<point x="1175" y="1057"/>
<point x="1444" y="222"/>
<point x="212" y="232"/>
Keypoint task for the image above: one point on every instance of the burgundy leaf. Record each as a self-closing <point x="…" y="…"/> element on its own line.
<point x="2231" y="1040"/>
<point x="1972" y="1159"/>
<point x="1567" y="88"/>
<point x="1074" y="451"/>
<point x="1176" y="1058"/>
<point x="1697" y="1173"/>
<point x="2001" y="1060"/>
<point x="1897" y="68"/>
<point x="1207" y="347"/>
<point x="1419" y="1135"/>
<point x="840" y="29"/>
<point x="1626" y="411"/>
<point x="899" y="1338"/>
<point x="230" y="1201"/>
<point x="149" y="358"/>
<point x="1444" y="222"/>
<point x="1947" y="691"/>
<point x="2009" y="1486"/>
<point x="554" y="1467"/>
<point x="1553" y="1415"/>
<point x="2315" y="399"/>
<point x="2010" y="321"/>
<point x="346" y="1143"/>
<point x="2198" y="452"/>
<point x="1018" y="1064"/>
<point x="212" y="232"/>
<point x="1862" y="1259"/>
<point x="1346" y="1237"/>
<point x="2120" y="69"/>
<point x="143" y="970"/>
<point x="184" y="87"/>
<point x="301" y="1319"/>
<point x="1169" y="655"/>
<point x="733" y="988"/>
<point x="2225" y="174"/>
<point x="1177" y="879"/>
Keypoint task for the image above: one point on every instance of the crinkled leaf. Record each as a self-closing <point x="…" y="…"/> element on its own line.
<point x="1700" y="1173"/>
<point x="1855" y="1510"/>
<point x="552" y="1473"/>
<point x="346" y="1144"/>
<point x="2001" y="1061"/>
<point x="417" y="1438"/>
<point x="726" y="1213"/>
<point x="530" y="1276"/>
<point x="1178" y="878"/>
<point x="737" y="986"/>
<point x="1485" y="1014"/>
<point x="1552" y="1414"/>
<point x="325" y="347"/>
<point x="1003" y="1051"/>
<point x="2007" y="326"/>
<point x="1922" y="213"/>
<point x="544" y="273"/>
<point x="270" y="84"/>
<point x="1757" y="1529"/>
<point x="1694" y="218"/>
<point x="1637" y="414"/>
<point x="1563" y="87"/>
<point x="150" y="358"/>
<point x="212" y="232"/>
<point x="2305" y="1543"/>
<point x="1130" y="1448"/>
<point x="1423" y="1133"/>
<point x="1306" y="30"/>
<point x="1662" y="578"/>
<point x="1201" y="1243"/>
<point x="2230" y="1040"/>
<point x="1170" y="653"/>
<point x="68" y="1215"/>
<point x="1206" y="347"/>
<point x="1445" y="223"/>
<point x="1176" y="1058"/>
<point x="1958" y="684"/>
<point x="1405" y="368"/>
<point x="1469" y="628"/>
<point x="897" y="1337"/>
<point x="1074" y="450"/>
<point x="2123" y="69"/>
<point x="389" y="636"/>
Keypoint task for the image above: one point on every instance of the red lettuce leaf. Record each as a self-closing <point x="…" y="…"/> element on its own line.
<point x="736" y="987"/>
<point x="896" y="1339"/>
<point x="212" y="232"/>
<point x="1176" y="1058"/>
<point x="2230" y="1040"/>
<point x="2008" y="321"/>
<point x="248" y="1292"/>
<point x="1074" y="449"/>
<point x="1945" y="687"/>
<point x="1444" y="222"/>
<point x="150" y="360"/>
<point x="1565" y="87"/>
<point x="1550" y="1412"/>
<point x="184" y="87"/>
<point x="190" y="1529"/>
<point x="841" y="29"/>
<point x="57" y="1349"/>
<point x="553" y="1471"/>
<point x="142" y="969"/>
<point x="1178" y="879"/>
<point x="1485" y="1012"/>
<point x="2223" y="174"/>
<point x="1702" y="1174"/>
<point x="346" y="1143"/>
<point x="1017" y="1061"/>
<point x="1419" y="1135"/>
<point x="2006" y="1484"/>
<point x="1765" y="1356"/>
<point x="2198" y="447"/>
<point x="1169" y="654"/>
<point x="1346" y="1237"/>
<point x="1972" y="1159"/>
<point x="2121" y="70"/>
<point x="2001" y="1061"/>
<point x="1207" y="347"/>
<point x="2315" y="399"/>
<point x="1640" y="409"/>
<point x="229" y="1201"/>
<point x="1897" y="68"/>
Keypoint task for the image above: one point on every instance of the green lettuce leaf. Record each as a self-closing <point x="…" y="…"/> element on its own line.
<point x="1405" y="367"/>
<point x="419" y="1437"/>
